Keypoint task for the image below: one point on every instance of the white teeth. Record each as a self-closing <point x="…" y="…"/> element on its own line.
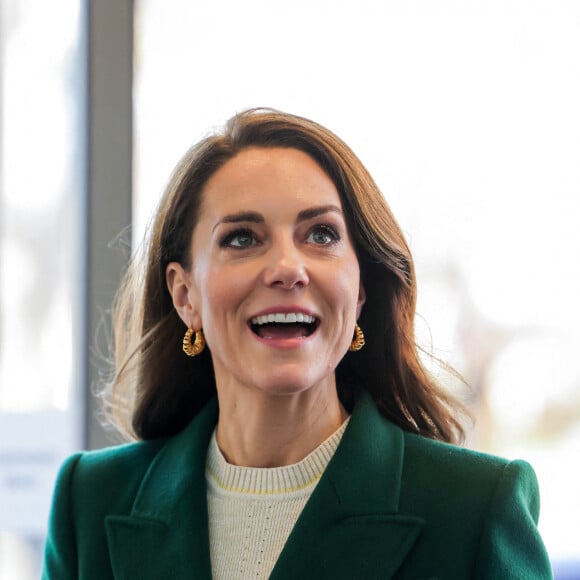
<point x="280" y="317"/>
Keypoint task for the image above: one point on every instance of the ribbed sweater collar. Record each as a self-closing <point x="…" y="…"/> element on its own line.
<point x="270" y="480"/>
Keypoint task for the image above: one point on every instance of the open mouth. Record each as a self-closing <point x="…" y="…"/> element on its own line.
<point x="291" y="325"/>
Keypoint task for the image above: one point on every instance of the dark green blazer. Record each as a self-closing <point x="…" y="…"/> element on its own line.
<point x="389" y="505"/>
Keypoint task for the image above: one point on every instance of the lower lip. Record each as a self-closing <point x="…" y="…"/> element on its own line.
<point x="284" y="343"/>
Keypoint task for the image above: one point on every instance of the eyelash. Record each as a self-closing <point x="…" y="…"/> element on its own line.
<point x="226" y="241"/>
<point x="328" y="230"/>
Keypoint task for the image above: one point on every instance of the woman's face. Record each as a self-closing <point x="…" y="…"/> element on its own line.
<point x="275" y="282"/>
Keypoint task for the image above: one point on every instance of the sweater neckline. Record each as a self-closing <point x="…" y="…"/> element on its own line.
<point x="288" y="479"/>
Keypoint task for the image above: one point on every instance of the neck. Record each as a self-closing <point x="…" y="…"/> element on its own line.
<point x="264" y="430"/>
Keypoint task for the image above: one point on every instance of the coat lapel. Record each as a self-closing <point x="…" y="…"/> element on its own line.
<point x="351" y="527"/>
<point x="166" y="534"/>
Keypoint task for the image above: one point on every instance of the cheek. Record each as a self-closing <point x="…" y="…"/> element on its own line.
<point x="349" y="285"/>
<point x="342" y="292"/>
<point x="222" y="293"/>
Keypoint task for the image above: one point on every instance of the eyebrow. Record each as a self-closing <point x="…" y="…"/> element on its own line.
<point x="308" y="214"/>
<point x="257" y="218"/>
<point x="246" y="216"/>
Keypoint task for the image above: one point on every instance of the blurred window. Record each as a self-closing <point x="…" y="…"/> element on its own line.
<point x="42" y="252"/>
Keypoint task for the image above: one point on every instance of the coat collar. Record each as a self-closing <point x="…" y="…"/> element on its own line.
<point x="166" y="534"/>
<point x="350" y="527"/>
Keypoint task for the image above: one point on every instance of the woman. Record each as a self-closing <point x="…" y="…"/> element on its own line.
<point x="266" y="361"/>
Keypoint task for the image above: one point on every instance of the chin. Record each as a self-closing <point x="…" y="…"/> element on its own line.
<point x="285" y="390"/>
<point x="291" y="385"/>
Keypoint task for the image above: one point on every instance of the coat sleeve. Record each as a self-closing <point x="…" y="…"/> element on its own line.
<point x="511" y="546"/>
<point x="60" y="557"/>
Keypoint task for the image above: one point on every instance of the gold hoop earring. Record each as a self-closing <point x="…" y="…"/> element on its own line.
<point x="358" y="340"/>
<point x="198" y="344"/>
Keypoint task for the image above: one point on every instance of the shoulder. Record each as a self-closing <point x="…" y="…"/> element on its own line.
<point x="113" y="474"/>
<point x="122" y="459"/>
<point x="437" y="453"/>
<point x="126" y="457"/>
<point x="463" y="482"/>
<point x="444" y="463"/>
<point x="486" y="504"/>
<point x="432" y="472"/>
<point x="89" y="486"/>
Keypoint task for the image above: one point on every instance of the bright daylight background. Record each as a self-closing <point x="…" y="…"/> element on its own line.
<point x="466" y="113"/>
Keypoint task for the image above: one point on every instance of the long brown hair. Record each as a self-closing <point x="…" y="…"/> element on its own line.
<point x="157" y="390"/>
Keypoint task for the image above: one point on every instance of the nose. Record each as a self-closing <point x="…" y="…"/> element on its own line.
<point x="286" y="267"/>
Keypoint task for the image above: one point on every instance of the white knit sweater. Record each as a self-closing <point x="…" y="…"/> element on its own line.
<point x="253" y="510"/>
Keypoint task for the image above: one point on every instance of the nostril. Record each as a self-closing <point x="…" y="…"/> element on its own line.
<point x="286" y="276"/>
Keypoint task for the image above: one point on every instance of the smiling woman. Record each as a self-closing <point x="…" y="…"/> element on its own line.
<point x="266" y="157"/>
<point x="290" y="256"/>
<point x="266" y="359"/>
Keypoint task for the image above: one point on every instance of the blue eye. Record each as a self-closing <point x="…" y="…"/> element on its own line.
<point x="242" y="238"/>
<point x="323" y="235"/>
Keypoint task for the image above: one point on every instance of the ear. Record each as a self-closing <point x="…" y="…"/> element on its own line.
<point x="180" y="287"/>
<point x="362" y="296"/>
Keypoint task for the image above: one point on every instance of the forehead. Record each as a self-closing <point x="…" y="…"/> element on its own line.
<point x="276" y="176"/>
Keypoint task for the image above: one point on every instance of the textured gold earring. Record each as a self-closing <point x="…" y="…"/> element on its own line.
<point x="358" y="340"/>
<point x="198" y="344"/>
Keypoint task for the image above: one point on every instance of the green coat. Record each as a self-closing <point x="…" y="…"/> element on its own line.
<point x="389" y="505"/>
